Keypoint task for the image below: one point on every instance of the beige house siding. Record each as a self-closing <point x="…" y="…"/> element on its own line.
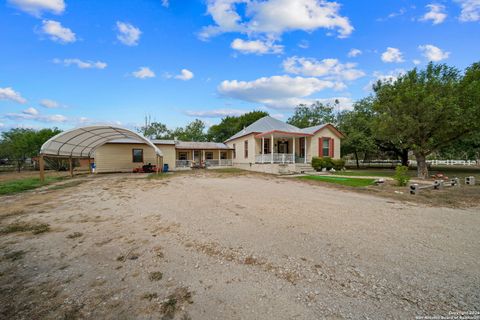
<point x="117" y="157"/>
<point x="313" y="143"/>
<point x="253" y="148"/>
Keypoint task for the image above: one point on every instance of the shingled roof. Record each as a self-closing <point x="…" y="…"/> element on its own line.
<point x="266" y="124"/>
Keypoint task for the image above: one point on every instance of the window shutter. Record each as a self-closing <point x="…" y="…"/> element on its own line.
<point x="330" y="148"/>
<point x="320" y="147"/>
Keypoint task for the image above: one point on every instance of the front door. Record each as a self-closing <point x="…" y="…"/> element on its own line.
<point x="283" y="147"/>
<point x="197" y="154"/>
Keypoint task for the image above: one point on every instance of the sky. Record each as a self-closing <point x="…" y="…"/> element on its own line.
<point x="70" y="63"/>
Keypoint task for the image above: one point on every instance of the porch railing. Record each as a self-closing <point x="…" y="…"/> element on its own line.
<point x="183" y="163"/>
<point x="277" y="158"/>
<point x="219" y="163"/>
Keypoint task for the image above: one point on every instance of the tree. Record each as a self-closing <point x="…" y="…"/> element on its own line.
<point x="19" y="144"/>
<point x="357" y="127"/>
<point x="154" y="130"/>
<point x="231" y="125"/>
<point x="194" y="131"/>
<point x="425" y="110"/>
<point x="315" y="114"/>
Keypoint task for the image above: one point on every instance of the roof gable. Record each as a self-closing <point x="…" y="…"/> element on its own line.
<point x="265" y="124"/>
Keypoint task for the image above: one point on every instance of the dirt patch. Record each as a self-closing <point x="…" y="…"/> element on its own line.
<point x="228" y="245"/>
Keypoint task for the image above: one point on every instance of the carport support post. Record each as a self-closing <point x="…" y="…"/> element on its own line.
<point x="70" y="166"/>
<point x="157" y="166"/>
<point x="41" y="164"/>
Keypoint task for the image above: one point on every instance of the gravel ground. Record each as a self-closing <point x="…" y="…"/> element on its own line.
<point x="219" y="246"/>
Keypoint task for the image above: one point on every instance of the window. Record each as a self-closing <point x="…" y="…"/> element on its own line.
<point x="246" y="149"/>
<point x="182" y="156"/>
<point x="209" y="155"/>
<point x="234" y="151"/>
<point x="223" y="155"/>
<point x="266" y="146"/>
<point x="325" y="147"/>
<point x="137" y="155"/>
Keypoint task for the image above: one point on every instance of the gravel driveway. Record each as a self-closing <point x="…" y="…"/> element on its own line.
<point x="219" y="246"/>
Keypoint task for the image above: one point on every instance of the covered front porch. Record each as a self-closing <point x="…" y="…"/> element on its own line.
<point x="281" y="147"/>
<point x="204" y="158"/>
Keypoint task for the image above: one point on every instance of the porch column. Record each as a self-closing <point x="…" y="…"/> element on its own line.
<point x="305" y="151"/>
<point x="193" y="155"/>
<point x="203" y="156"/>
<point x="271" y="147"/>
<point x="219" y="160"/>
<point x="293" y="153"/>
<point x="263" y="146"/>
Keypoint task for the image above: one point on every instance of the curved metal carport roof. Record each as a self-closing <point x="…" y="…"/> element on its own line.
<point x="82" y="142"/>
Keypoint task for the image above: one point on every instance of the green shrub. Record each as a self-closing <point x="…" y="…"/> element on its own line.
<point x="325" y="162"/>
<point x="317" y="163"/>
<point x="338" y="164"/>
<point x="401" y="176"/>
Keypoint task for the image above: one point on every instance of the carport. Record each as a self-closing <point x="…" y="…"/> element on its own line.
<point x="81" y="143"/>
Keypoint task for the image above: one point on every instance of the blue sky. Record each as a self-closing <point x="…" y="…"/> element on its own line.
<point x="70" y="63"/>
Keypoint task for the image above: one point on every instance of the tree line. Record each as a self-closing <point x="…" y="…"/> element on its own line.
<point x="424" y="112"/>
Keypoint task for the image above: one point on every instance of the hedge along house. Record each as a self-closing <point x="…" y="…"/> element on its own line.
<point x="270" y="145"/>
<point x="124" y="155"/>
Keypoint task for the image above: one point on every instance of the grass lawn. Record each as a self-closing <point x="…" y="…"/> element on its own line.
<point x="351" y="182"/>
<point x="19" y="185"/>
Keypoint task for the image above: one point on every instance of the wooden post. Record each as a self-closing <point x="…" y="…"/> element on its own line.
<point x="41" y="164"/>
<point x="157" y="164"/>
<point x="263" y="146"/>
<point x="70" y="166"/>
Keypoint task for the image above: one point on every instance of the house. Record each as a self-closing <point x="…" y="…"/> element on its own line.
<point x="267" y="145"/>
<point x="270" y="145"/>
<point x="123" y="155"/>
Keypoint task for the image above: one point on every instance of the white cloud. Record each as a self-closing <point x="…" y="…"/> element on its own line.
<point x="81" y="64"/>
<point x="344" y="103"/>
<point x="31" y="111"/>
<point x="144" y="73"/>
<point x="354" y="53"/>
<point x="304" y="44"/>
<point x="37" y="7"/>
<point x="392" y="55"/>
<point x="274" y="17"/>
<point x="470" y="10"/>
<point x="185" y="75"/>
<point x="33" y="115"/>
<point x="9" y="94"/>
<point x="256" y="46"/>
<point x="392" y="15"/>
<point x="328" y="68"/>
<point x="165" y="3"/>
<point x="128" y="34"/>
<point x="416" y="62"/>
<point x="218" y="113"/>
<point x="276" y="91"/>
<point x="433" y="53"/>
<point x="436" y="13"/>
<point x="49" y="104"/>
<point x="57" y="32"/>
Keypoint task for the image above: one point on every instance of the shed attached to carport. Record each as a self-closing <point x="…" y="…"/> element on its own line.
<point x="81" y="143"/>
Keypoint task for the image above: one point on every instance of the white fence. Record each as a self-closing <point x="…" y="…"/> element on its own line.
<point x="394" y="163"/>
<point x="276" y="157"/>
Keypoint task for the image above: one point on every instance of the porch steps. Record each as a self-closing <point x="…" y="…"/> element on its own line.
<point x="304" y="168"/>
